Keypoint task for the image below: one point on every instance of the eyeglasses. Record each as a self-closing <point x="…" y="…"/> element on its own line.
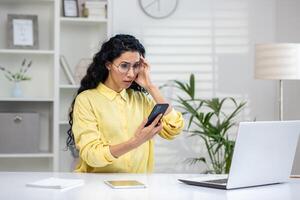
<point x="124" y="67"/>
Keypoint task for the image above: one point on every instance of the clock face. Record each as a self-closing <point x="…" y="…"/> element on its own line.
<point x="158" y="9"/>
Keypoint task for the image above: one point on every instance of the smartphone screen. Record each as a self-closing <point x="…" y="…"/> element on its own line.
<point x="158" y="109"/>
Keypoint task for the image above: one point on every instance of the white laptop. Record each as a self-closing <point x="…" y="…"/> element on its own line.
<point x="263" y="155"/>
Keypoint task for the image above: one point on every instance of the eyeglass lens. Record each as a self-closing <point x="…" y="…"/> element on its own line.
<point x="125" y="67"/>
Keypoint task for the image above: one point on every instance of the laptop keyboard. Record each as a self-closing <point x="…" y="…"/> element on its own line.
<point x="218" y="181"/>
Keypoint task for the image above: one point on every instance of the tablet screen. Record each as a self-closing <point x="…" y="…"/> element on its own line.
<point x="125" y="184"/>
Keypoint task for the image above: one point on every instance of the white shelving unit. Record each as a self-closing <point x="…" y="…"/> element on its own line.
<point x="35" y="155"/>
<point x="82" y="20"/>
<point x="22" y="51"/>
<point x="87" y="35"/>
<point x="48" y="93"/>
<point x="39" y="96"/>
<point x="69" y="86"/>
<point x="28" y="1"/>
<point x="10" y="99"/>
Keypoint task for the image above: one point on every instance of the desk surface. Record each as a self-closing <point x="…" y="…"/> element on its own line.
<point x="159" y="187"/>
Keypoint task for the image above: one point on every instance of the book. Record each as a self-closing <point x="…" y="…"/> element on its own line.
<point x="56" y="183"/>
<point x="81" y="68"/>
<point x="64" y="64"/>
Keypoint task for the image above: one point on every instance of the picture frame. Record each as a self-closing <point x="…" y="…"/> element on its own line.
<point x="70" y="8"/>
<point x="22" y="31"/>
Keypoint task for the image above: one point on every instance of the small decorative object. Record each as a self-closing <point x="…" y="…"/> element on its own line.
<point x="80" y="6"/>
<point x="66" y="67"/>
<point x="70" y="8"/>
<point x="17" y="91"/>
<point x="158" y="9"/>
<point x="85" y="11"/>
<point x="17" y="77"/>
<point x="211" y="125"/>
<point x="22" y="31"/>
<point x="80" y="69"/>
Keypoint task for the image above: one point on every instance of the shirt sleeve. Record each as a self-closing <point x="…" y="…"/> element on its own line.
<point x="173" y="122"/>
<point x="92" y="148"/>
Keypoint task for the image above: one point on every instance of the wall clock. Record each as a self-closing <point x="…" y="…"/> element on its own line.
<point x="158" y="9"/>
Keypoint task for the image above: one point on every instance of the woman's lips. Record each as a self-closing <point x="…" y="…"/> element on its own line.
<point x="127" y="82"/>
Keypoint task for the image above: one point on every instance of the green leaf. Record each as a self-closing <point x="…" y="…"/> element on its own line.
<point x="210" y="123"/>
<point x="10" y="79"/>
<point x="193" y="161"/>
<point x="190" y="121"/>
<point x="192" y="86"/>
<point x="163" y="86"/>
<point x="188" y="107"/>
<point x="181" y="86"/>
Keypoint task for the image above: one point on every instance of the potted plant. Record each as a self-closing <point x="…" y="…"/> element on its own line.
<point x="17" y="77"/>
<point x="211" y="124"/>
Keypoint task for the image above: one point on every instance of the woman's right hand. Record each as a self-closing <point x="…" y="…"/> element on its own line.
<point x="144" y="134"/>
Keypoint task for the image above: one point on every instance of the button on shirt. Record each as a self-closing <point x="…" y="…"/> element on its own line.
<point x="103" y="117"/>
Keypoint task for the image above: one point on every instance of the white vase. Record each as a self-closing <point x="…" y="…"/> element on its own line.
<point x="16" y="90"/>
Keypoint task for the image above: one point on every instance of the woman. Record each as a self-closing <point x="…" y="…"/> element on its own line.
<point x="110" y="111"/>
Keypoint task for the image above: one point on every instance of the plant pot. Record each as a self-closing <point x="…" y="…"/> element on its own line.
<point x="17" y="90"/>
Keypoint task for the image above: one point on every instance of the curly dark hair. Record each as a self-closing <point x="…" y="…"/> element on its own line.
<point x="97" y="71"/>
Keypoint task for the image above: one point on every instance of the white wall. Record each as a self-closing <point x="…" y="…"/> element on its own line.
<point x="288" y="30"/>
<point x="229" y="29"/>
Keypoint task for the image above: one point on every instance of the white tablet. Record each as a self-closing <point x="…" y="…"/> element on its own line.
<point x="119" y="184"/>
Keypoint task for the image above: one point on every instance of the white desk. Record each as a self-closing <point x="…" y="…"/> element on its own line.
<point x="159" y="187"/>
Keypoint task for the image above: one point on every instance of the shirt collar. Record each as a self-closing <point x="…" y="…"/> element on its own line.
<point x="111" y="94"/>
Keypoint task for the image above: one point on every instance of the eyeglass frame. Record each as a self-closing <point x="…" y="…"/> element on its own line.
<point x="131" y="66"/>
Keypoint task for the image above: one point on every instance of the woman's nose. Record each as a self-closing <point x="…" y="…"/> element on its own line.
<point x="130" y="72"/>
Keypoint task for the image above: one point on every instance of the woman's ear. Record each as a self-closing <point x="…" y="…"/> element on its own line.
<point x="108" y="66"/>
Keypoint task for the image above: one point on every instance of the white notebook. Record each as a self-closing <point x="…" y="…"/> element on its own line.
<point x="56" y="183"/>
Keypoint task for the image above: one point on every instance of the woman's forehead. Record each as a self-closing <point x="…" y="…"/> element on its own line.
<point x="130" y="56"/>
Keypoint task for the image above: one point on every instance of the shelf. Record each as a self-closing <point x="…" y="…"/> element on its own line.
<point x="69" y="86"/>
<point x="26" y="51"/>
<point x="26" y="1"/>
<point x="81" y="20"/>
<point x="64" y="123"/>
<point x="51" y="101"/>
<point x="26" y="99"/>
<point x="29" y="155"/>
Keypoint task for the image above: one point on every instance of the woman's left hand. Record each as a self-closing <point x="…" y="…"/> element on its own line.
<point x="143" y="77"/>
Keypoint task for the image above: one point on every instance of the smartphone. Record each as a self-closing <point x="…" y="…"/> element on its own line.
<point x="158" y="109"/>
<point x="119" y="184"/>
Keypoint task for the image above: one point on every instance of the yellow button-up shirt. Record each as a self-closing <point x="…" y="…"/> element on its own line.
<point x="103" y="117"/>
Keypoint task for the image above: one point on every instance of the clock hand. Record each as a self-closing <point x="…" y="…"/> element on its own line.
<point x="150" y="4"/>
<point x="158" y="5"/>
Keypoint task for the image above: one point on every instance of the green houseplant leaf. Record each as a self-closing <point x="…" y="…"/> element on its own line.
<point x="208" y="121"/>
